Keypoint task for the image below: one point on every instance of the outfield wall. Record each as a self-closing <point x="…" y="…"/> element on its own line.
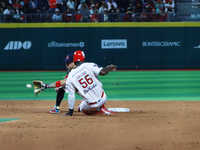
<point x="128" y="45"/>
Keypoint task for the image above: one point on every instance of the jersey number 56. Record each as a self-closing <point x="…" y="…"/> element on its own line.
<point x="85" y="81"/>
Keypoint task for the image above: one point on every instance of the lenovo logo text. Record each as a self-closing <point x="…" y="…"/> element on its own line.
<point x="113" y="44"/>
<point x="16" y="45"/>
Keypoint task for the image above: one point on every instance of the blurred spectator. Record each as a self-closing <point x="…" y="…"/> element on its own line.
<point x="57" y="17"/>
<point x="112" y="9"/>
<point x="3" y="6"/>
<point x="33" y="6"/>
<point x="25" y="6"/>
<point x="60" y="5"/>
<point x="7" y="14"/>
<point x="17" y="7"/>
<point x="169" y="7"/>
<point x="8" y="11"/>
<point x="68" y="16"/>
<point x="153" y="16"/>
<point x="138" y="5"/>
<point x="91" y="3"/>
<point x="104" y="16"/>
<point x="93" y="10"/>
<point x="71" y="4"/>
<point x="22" y="3"/>
<point x="43" y="6"/>
<point x="118" y="17"/>
<point x="84" y="11"/>
<point x="143" y="16"/>
<point x="128" y="17"/>
<point x="52" y="6"/>
<point x="149" y="5"/>
<point x="134" y="16"/>
<point x="17" y="16"/>
<point x="17" y="4"/>
<point x="159" y="4"/>
<point x="162" y="16"/>
<point x="101" y="9"/>
<point x="112" y="13"/>
<point x="111" y="2"/>
<point x="86" y="1"/>
<point x="78" y="17"/>
<point x="98" y="3"/>
<point x="82" y="3"/>
<point x="95" y="17"/>
<point x="130" y="7"/>
<point x="10" y="2"/>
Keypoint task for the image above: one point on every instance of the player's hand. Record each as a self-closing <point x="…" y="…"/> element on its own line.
<point x="70" y="112"/>
<point x="112" y="67"/>
<point x="44" y="86"/>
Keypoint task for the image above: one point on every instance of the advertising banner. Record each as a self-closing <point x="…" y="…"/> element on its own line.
<point x="126" y="47"/>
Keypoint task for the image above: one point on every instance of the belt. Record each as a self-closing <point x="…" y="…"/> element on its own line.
<point x="98" y="100"/>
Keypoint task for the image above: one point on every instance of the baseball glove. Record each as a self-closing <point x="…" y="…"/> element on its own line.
<point x="38" y="86"/>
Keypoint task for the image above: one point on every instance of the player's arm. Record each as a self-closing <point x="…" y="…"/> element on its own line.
<point x="105" y="70"/>
<point x="56" y="84"/>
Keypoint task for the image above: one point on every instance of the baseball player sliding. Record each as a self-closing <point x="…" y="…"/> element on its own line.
<point x="83" y="80"/>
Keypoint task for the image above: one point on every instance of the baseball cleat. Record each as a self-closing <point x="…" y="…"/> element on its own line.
<point x="55" y="110"/>
<point x="105" y="111"/>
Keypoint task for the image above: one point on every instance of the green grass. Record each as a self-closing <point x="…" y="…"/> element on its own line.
<point x="119" y="85"/>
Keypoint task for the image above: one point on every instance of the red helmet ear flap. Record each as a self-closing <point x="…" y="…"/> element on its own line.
<point x="79" y="56"/>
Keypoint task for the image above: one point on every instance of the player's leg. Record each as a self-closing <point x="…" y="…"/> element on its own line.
<point x="89" y="109"/>
<point x="59" y="98"/>
<point x="101" y="105"/>
<point x="96" y="108"/>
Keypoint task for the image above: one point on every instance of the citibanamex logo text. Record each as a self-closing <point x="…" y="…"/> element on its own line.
<point x="16" y="45"/>
<point x="56" y="44"/>
<point x="161" y="43"/>
<point x="113" y="43"/>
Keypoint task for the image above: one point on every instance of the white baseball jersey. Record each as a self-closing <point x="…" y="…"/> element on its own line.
<point x="84" y="79"/>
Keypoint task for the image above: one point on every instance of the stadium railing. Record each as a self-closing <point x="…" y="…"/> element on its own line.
<point x="114" y="17"/>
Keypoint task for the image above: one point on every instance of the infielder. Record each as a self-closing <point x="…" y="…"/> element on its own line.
<point x="84" y="79"/>
<point x="60" y="85"/>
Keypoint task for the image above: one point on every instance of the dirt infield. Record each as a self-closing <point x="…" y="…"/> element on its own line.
<point x="150" y="125"/>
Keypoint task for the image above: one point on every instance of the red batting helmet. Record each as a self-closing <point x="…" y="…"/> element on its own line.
<point x="79" y="56"/>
